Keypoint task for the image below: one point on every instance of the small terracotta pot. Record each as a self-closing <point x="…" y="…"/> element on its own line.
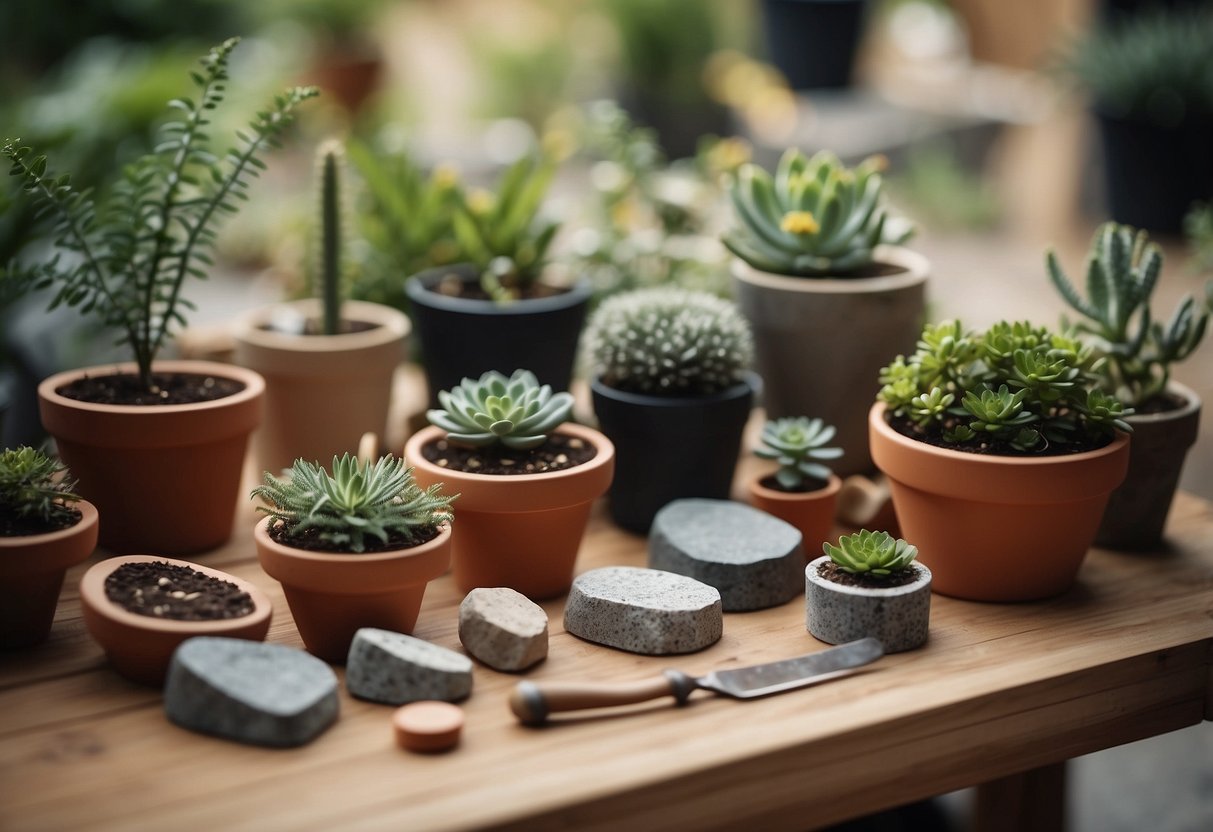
<point x="332" y="595"/>
<point x="997" y="528"/>
<point x="31" y="575"/>
<point x="164" y="478"/>
<point x="519" y="531"/>
<point x="322" y="392"/>
<point x="140" y="647"/>
<point x="811" y="512"/>
<point x="897" y="616"/>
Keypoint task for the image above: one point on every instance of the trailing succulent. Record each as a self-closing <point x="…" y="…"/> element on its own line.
<point x="814" y="217"/>
<point x="35" y="488"/>
<point x="796" y="443"/>
<point x="357" y="501"/>
<point x="871" y="553"/>
<point x="1015" y="384"/>
<point x="668" y="342"/>
<point x="516" y="412"/>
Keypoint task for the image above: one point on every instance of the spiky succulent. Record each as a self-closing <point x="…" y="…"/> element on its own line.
<point x="871" y="553"/>
<point x="668" y="342"/>
<point x="814" y="217"/>
<point x="358" y="500"/>
<point x="795" y="443"/>
<point x="35" y="487"/>
<point x="517" y="411"/>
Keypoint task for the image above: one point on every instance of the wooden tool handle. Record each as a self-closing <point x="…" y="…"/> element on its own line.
<point x="532" y="703"/>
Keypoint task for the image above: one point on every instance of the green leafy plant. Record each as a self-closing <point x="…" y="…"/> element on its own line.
<point x="357" y="501"/>
<point x="814" y="217"/>
<point x="668" y="341"/>
<point x="517" y="411"/>
<point x="797" y="443"/>
<point x="329" y="267"/>
<point x="1122" y="273"/>
<point x="34" y="487"/>
<point x="131" y="253"/>
<point x="871" y="553"/>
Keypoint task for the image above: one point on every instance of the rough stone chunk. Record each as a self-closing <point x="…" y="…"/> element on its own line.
<point x="754" y="559"/>
<point x="251" y="692"/>
<point x="644" y="611"/>
<point x="503" y="628"/>
<point x="394" y="669"/>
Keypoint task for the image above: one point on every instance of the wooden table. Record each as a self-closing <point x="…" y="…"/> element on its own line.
<point x="1001" y="695"/>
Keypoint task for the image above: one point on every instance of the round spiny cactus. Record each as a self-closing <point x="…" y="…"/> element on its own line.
<point x="517" y="412"/>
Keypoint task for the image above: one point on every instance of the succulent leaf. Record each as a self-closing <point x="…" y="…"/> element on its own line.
<point x="517" y="411"/>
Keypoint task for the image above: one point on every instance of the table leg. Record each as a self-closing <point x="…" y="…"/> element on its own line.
<point x="1034" y="799"/>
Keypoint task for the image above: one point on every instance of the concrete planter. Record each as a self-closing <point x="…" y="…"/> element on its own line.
<point x="898" y="616"/>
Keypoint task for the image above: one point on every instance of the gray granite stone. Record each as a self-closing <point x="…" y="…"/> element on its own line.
<point x="644" y="611"/>
<point x="503" y="628"/>
<point x="898" y="616"/>
<point x="754" y="559"/>
<point x="249" y="691"/>
<point x="396" y="669"/>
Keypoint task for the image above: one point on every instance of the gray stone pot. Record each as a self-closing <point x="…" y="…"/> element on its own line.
<point x="897" y="616"/>
<point x="860" y="324"/>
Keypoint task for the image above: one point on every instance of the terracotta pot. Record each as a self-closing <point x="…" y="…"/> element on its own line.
<point x="897" y="616"/>
<point x="322" y="392"/>
<point x="140" y="647"/>
<point x="332" y="595"/>
<point x="796" y="321"/>
<point x="519" y="531"/>
<point x="31" y="574"/>
<point x="997" y="528"/>
<point x="164" y="478"/>
<point x="811" y="512"/>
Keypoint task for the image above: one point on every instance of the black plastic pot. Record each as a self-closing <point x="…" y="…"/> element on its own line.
<point x="667" y="448"/>
<point x="813" y="42"/>
<point x="461" y="337"/>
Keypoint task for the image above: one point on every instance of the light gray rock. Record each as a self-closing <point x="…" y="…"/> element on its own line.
<point x="898" y="616"/>
<point x="753" y="559"/>
<point x="503" y="628"/>
<point x="644" y="611"/>
<point x="249" y="691"/>
<point x="395" y="669"/>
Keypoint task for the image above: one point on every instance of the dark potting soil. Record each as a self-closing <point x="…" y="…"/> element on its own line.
<point x="314" y="326"/>
<point x="556" y="454"/>
<point x="830" y="572"/>
<point x="807" y="486"/>
<point x="453" y="287"/>
<point x="311" y="541"/>
<point x="167" y="388"/>
<point x="993" y="447"/>
<point x="165" y="590"/>
<point x="14" y="526"/>
<point x="1162" y="403"/>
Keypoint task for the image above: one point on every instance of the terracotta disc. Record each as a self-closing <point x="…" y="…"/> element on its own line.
<point x="428" y="726"/>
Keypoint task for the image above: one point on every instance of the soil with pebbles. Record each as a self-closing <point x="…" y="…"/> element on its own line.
<point x="556" y="454"/>
<point x="164" y="590"/>
<point x="167" y="388"/>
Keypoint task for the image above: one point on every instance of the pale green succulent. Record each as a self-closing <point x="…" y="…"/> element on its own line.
<point x="814" y="217"/>
<point x="517" y="411"/>
<point x="871" y="553"/>
<point x="795" y="443"/>
<point x="35" y="487"/>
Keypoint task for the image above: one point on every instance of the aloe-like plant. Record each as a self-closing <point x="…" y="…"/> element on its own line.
<point x="329" y="159"/>
<point x="359" y="500"/>
<point x="871" y="553"/>
<point x="797" y="444"/>
<point x="516" y="412"/>
<point x="36" y="488"/>
<point x="814" y="217"/>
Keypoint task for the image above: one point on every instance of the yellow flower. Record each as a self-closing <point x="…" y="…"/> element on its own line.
<point x="800" y="222"/>
<point x="480" y="202"/>
<point x="446" y="176"/>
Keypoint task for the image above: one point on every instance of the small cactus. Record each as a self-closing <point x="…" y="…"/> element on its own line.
<point x="329" y="272"/>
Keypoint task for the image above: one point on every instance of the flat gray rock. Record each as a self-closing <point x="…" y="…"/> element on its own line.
<point x="395" y="669"/>
<point x="754" y="559"/>
<point x="249" y="691"/>
<point x="644" y="611"/>
<point x="503" y="628"/>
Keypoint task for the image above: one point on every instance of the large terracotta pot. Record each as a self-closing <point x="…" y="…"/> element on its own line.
<point x="811" y="512"/>
<point x="820" y="343"/>
<point x="140" y="647"/>
<point x="31" y="574"/>
<point x="519" y="531"/>
<point x="332" y="595"/>
<point x="997" y="528"/>
<point x="322" y="392"/>
<point x="164" y="478"/>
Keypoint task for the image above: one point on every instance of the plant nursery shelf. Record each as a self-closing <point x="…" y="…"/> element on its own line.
<point x="1001" y="695"/>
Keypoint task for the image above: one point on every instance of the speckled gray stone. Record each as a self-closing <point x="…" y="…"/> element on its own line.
<point x="503" y="628"/>
<point x="395" y="669"/>
<point x="898" y="616"/>
<point x="644" y="611"/>
<point x="754" y="559"/>
<point x="249" y="691"/>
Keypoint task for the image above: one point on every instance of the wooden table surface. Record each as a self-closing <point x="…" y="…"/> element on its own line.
<point x="999" y="689"/>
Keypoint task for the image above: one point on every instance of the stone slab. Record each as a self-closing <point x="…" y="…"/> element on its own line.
<point x="393" y="668"/>
<point x="503" y="628"/>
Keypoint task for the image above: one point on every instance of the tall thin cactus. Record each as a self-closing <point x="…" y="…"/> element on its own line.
<point x="329" y="273"/>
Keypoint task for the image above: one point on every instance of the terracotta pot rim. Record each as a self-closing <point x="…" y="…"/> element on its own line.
<point x="88" y="519"/>
<point x="924" y="580"/>
<point x="391" y="325"/>
<point x="605" y="455"/>
<point x="1191" y="397"/>
<point x="751" y="383"/>
<point x="417" y="289"/>
<point x="254" y="386"/>
<point x="916" y="269"/>
<point x="832" y="487"/>
<point x="262" y="537"/>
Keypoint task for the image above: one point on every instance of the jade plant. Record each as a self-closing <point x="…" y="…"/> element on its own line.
<point x="797" y="443"/>
<point x="667" y="341"/>
<point x="516" y="412"/>
<point x="329" y="267"/>
<point x="358" y="501"/>
<point x="36" y="491"/>
<point x="813" y="218"/>
<point x="876" y="554"/>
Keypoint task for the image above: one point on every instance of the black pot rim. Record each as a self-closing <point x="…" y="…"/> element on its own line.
<point x="751" y="383"/>
<point x="418" y="288"/>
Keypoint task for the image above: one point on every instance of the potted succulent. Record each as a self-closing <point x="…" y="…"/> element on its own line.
<point x="1001" y="451"/>
<point x="328" y="364"/>
<point x="668" y="376"/>
<point x="802" y="491"/>
<point x="157" y="446"/>
<point x="352" y="549"/>
<point x="869" y="586"/>
<point x="815" y="245"/>
<point x="44" y="529"/>
<point x="1137" y="349"/>
<point x="527" y="480"/>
